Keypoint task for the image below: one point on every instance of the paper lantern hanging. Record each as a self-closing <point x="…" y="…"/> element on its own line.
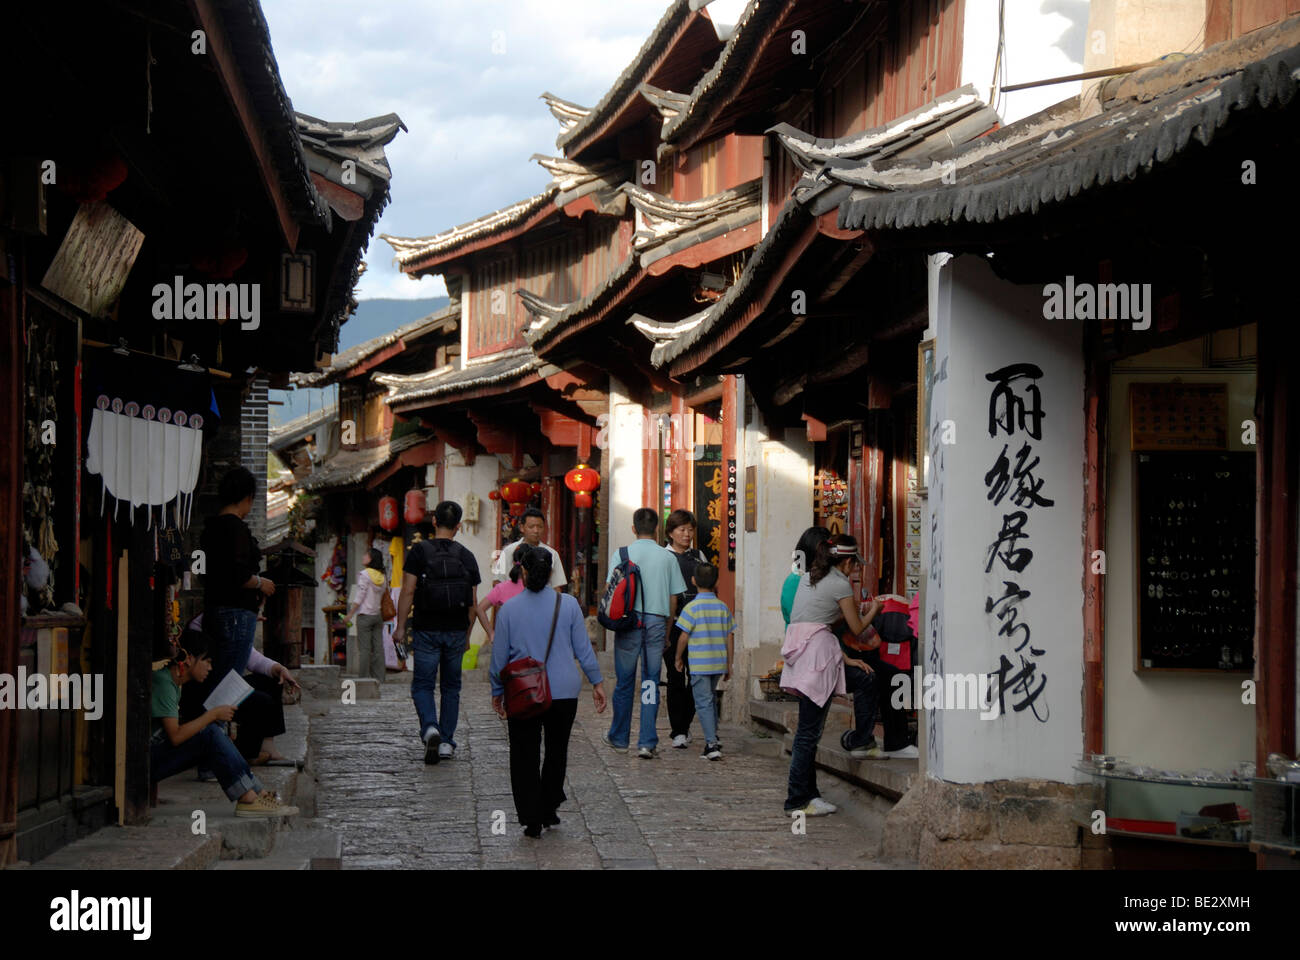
<point x="583" y="481"/>
<point x="536" y="488"/>
<point x="517" y="509"/>
<point x="388" y="513"/>
<point x="582" y="500"/>
<point x="415" y="506"/>
<point x="516" y="492"/>
<point x="494" y="494"/>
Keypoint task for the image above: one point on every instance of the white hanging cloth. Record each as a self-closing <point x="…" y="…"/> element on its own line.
<point x="143" y="461"/>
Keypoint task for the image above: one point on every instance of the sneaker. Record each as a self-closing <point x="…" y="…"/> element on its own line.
<point x="446" y="751"/>
<point x="267" y="804"/>
<point x="647" y="753"/>
<point x="812" y="810"/>
<point x="825" y="806"/>
<point x="907" y="753"/>
<point x="432" y="742"/>
<point x="680" y="741"/>
<point x="604" y="738"/>
<point x="868" y="751"/>
<point x="712" y="751"/>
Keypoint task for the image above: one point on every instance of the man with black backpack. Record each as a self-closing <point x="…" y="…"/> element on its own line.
<point x="442" y="578"/>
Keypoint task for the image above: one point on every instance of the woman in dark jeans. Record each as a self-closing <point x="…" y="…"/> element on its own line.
<point x="815" y="662"/>
<point x="680" y="531"/>
<point x="233" y="589"/>
<point x="524" y="629"/>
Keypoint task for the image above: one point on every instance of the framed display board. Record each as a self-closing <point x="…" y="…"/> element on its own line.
<point x="1178" y="416"/>
<point x="1196" y="561"/>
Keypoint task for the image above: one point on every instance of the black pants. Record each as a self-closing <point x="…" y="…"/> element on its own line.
<point x="892" y="718"/>
<point x="261" y="714"/>
<point x="803" y="753"/>
<point x="681" y="702"/>
<point x="863" y="686"/>
<point x="537" y="784"/>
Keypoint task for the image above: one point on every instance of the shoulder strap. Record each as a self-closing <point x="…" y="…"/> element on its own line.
<point x="623" y="556"/>
<point x="554" y="618"/>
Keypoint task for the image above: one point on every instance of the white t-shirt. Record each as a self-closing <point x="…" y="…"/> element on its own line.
<point x="501" y="568"/>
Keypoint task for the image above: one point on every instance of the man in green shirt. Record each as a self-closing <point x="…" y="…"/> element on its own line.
<point x="661" y="582"/>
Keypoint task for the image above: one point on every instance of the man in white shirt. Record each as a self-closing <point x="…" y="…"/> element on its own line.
<point x="533" y="526"/>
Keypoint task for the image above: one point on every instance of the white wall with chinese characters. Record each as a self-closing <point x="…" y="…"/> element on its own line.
<point x="1005" y="547"/>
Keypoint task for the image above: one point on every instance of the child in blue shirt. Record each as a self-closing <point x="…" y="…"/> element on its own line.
<point x="706" y="648"/>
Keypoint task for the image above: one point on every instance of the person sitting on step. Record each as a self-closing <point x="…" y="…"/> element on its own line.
<point x="174" y="747"/>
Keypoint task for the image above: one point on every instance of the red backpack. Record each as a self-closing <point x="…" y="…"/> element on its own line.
<point x="617" y="608"/>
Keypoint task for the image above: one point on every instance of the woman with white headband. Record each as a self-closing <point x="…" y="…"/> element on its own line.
<point x="815" y="662"/>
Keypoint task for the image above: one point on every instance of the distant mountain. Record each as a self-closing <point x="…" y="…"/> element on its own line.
<point x="373" y="318"/>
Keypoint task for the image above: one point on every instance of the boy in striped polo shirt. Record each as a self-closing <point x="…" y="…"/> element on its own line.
<point x="705" y="646"/>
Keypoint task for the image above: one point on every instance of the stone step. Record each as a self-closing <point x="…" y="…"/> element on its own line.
<point x="783" y="715"/>
<point x="890" y="778"/>
<point x="319" y="680"/>
<point x="309" y="848"/>
<point x="152" y="847"/>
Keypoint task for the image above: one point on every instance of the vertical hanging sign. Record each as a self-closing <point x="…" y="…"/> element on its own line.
<point x="731" y="515"/>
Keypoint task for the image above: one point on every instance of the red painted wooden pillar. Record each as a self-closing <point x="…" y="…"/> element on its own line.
<point x="1278" y="436"/>
<point x="1094" y="580"/>
<point x="730" y="423"/>
<point x="11" y="501"/>
<point x="679" y="445"/>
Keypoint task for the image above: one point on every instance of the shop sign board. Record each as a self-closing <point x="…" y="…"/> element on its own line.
<point x="93" y="261"/>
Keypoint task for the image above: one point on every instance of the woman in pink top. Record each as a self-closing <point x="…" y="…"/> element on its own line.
<point x="814" y="661"/>
<point x="503" y="591"/>
<point x="371" y="584"/>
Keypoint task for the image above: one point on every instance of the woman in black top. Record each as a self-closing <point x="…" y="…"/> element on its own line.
<point x="680" y="531"/>
<point x="233" y="588"/>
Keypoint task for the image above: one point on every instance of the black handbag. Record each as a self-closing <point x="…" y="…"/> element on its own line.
<point x="527" y="688"/>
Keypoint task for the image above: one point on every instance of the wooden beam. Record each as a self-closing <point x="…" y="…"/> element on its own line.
<point x="828" y="226"/>
<point x="864" y="252"/>
<point x="375" y="359"/>
<point x="716" y="248"/>
<point x="228" y="73"/>
<point x="348" y="205"/>
<point x="431" y="451"/>
<point x="1094" y="581"/>
<point x="681" y="468"/>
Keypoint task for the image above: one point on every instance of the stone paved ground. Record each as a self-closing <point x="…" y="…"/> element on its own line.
<point x="678" y="811"/>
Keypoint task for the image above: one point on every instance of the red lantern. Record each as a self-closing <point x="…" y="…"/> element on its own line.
<point x="494" y="494"/>
<point x="536" y="488"/>
<point x="414" y="506"/>
<point x="517" y="509"/>
<point x="582" y="499"/>
<point x="388" y="513"/>
<point x="516" y="492"/>
<point x="582" y="479"/>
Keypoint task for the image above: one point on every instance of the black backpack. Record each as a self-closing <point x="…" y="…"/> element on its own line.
<point x="444" y="584"/>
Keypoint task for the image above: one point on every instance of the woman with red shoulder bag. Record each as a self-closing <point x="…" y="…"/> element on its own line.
<point x="541" y="638"/>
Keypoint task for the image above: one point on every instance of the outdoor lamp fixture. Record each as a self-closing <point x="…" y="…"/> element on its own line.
<point x="517" y="493"/>
<point x="582" y="480"/>
<point x="388" y="513"/>
<point x="415" y="506"/>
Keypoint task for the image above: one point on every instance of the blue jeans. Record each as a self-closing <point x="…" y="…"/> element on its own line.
<point x="645" y="644"/>
<point x="211" y="749"/>
<point x="235" y="628"/>
<point x="702" y="687"/>
<point x="803" y="753"/>
<point x="434" y="649"/>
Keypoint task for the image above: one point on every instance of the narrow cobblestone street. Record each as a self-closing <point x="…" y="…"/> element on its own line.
<point x="677" y="811"/>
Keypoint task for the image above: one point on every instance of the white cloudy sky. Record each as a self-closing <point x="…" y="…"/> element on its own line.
<point x="473" y="116"/>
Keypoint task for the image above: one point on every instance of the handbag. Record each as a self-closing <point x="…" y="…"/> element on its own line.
<point x="387" y="609"/>
<point x="527" y="689"/>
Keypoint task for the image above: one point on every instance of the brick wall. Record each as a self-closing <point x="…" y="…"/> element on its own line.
<point x="253" y="425"/>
